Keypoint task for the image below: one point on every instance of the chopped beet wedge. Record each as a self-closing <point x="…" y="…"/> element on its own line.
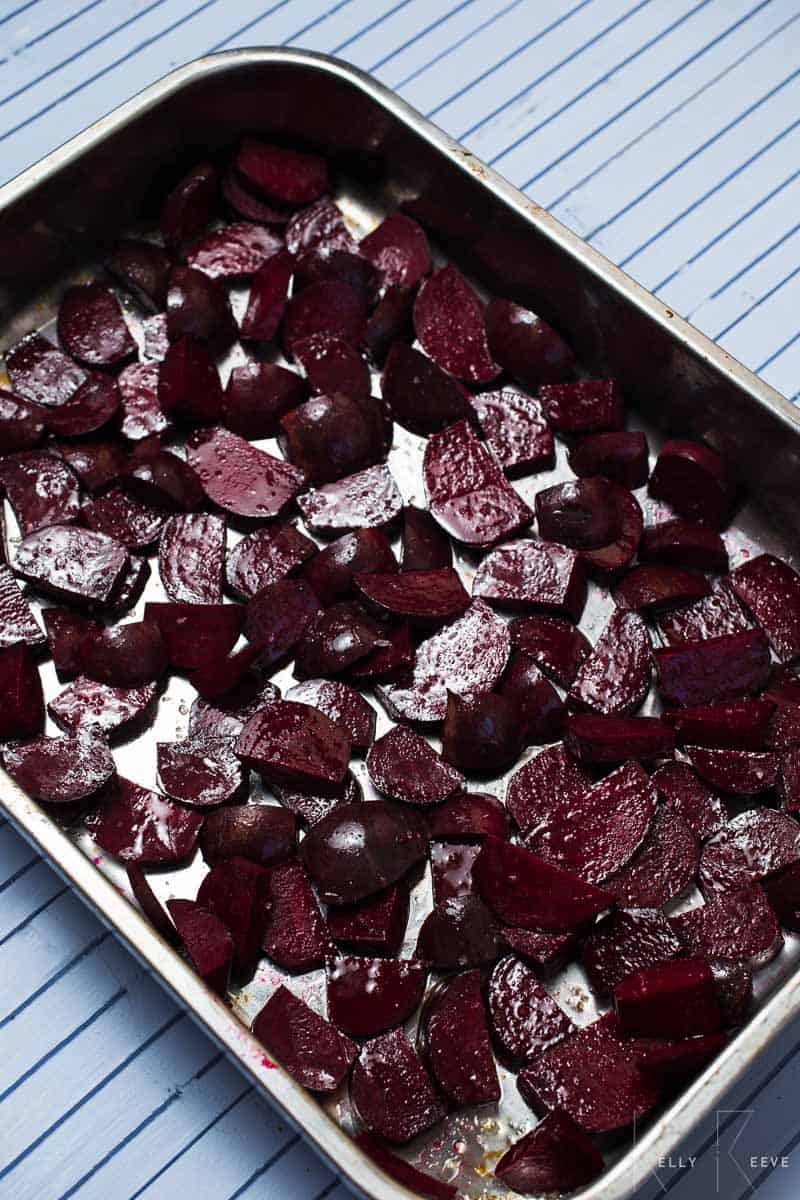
<point x="747" y="849"/>
<point x="468" y="817"/>
<point x="189" y="387"/>
<point x="233" y="252"/>
<point x="318" y="227"/>
<point x="682" y="543"/>
<point x="191" y="205"/>
<point x="17" y="622"/>
<point x="468" y="656"/>
<point x="590" y="406"/>
<point x="21" y="696"/>
<point x="664" y="867"/>
<point x="41" y="373"/>
<point x="226" y="716"/>
<point x="737" y="927"/>
<point x="73" y="564"/>
<point x="201" y="772"/>
<point x="607" y="561"/>
<point x="739" y="772"/>
<point x="719" y="668"/>
<point x="770" y="590"/>
<point x="580" y="513"/>
<point x="277" y="616"/>
<point x="150" y="904"/>
<point x="258" y="394"/>
<point x="389" y="322"/>
<point x="419" y="1183"/>
<point x="620" y="456"/>
<point x="96" y="463"/>
<point x="196" y="633"/>
<point x="295" y="745"/>
<point x="191" y="555"/>
<point x="265" y="557"/>
<point x="544" y="783"/>
<point x="454" y="1041"/>
<point x="613" y="816"/>
<point x="676" y="999"/>
<point x="311" y="806"/>
<point x="524" y="1016"/>
<point x="738" y="724"/>
<point x="121" y="516"/>
<point x="556" y="1156"/>
<point x="21" y="425"/>
<point x="268" y="298"/>
<point x="388" y="662"/>
<point x="554" y="644"/>
<point x="217" y="678"/>
<point x="295" y="936"/>
<point x="367" y="996"/>
<point x="163" y="480"/>
<point x="91" y="326"/>
<point x="783" y="894"/>
<point x="208" y="943"/>
<point x="421" y="396"/>
<point x="532" y="575"/>
<point x="538" y="705"/>
<point x="366" y="500"/>
<point x="60" y="770"/>
<point x="717" y="615"/>
<point x="329" y="437"/>
<point x="390" y="1089"/>
<point x="344" y="706"/>
<point x="85" y="704"/>
<point x="335" y="264"/>
<point x="359" y="849"/>
<point x="331" y="366"/>
<point x="615" y="678"/>
<point x="91" y="407"/>
<point x="467" y="491"/>
<point x="517" y="431"/>
<point x="65" y="632"/>
<point x="694" y="481"/>
<point x="687" y="795"/>
<point x="198" y="308"/>
<point x="238" y="476"/>
<point x="41" y="489"/>
<point x="245" y="203"/>
<point x="449" y="322"/>
<point x="404" y="767"/>
<point x="137" y="825"/>
<point x="335" y="640"/>
<point x="399" y="249"/>
<point x="460" y="932"/>
<point x="524" y="890"/>
<point x="236" y="891"/>
<point x="329" y="307"/>
<point x="284" y="176"/>
<point x="483" y="734"/>
<point x="332" y="572"/>
<point x="142" y="414"/>
<point x="425" y="547"/>
<point x="627" y="941"/>
<point x="607" y="738"/>
<point x="526" y="346"/>
<point x="545" y="950"/>
<point x="124" y="656"/>
<point x="142" y="268"/>
<point x="262" y="833"/>
<point x="307" y="1046"/>
<point x="416" y="595"/>
<point x="593" y="1076"/>
<point x="655" y="588"/>
<point x="376" y="925"/>
<point x="672" y="1064"/>
<point x="451" y="869"/>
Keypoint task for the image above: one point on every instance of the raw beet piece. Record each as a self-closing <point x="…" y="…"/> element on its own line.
<point x="546" y="950"/>
<point x="295" y="745"/>
<point x="525" y="1018"/>
<point x="615" y="678"/>
<point x="295" y="936"/>
<point x="65" y="632"/>
<point x="344" y="706"/>
<point x="603" y="738"/>
<point x="425" y="546"/>
<point x="85" y="704"/>
<point x="740" y="772"/>
<point x="548" y="780"/>
<point x="688" y="796"/>
<point x="533" y="575"/>
<point x="226" y="717"/>
<point x="330" y="307"/>
<point x="265" y="557"/>
<point x="684" y="544"/>
<point x="60" y="770"/>
<point x="590" y="406"/>
<point x="783" y="893"/>
<point x="234" y="251"/>
<point x="461" y="932"/>
<point x="359" y="849"/>
<point x="367" y="996"/>
<point x="287" y="176"/>
<point x="449" y="322"/>
<point x="737" y="927"/>
<point x="150" y="904"/>
<point x="750" y="847"/>
<point x="556" y="1156"/>
<point x="417" y="1182"/>
<point x="262" y="833"/>
<point x="41" y="489"/>
<point x="608" y="560"/>
<point x="672" y="1064"/>
<point x="332" y="572"/>
<point x="516" y="429"/>
<point x="236" y="891"/>
<point x="21" y="425"/>
<point x="596" y="832"/>
<point x="719" y="614"/>
<point x="399" y="249"/>
<point x="738" y="724"/>
<point x="335" y="639"/>
<point x="404" y="767"/>
<point x="142" y="268"/>
<point x="483" y="733"/>
<point x="124" y="656"/>
<point x="198" y="308"/>
<point x="201" y="772"/>
<point x="454" y="1039"/>
<point x="91" y="326"/>
<point x="74" y="564"/>
<point x="554" y="644"/>
<point x="390" y="321"/>
<point x="788" y="780"/>
<point x="451" y="869"/>
<point x="467" y="491"/>
<point x="388" y="662"/>
<point x="365" y="500"/>
<point x="693" y="480"/>
<point x="619" y="456"/>
<point x="676" y="999"/>
<point x="665" y="866"/>
<point x="123" y="517"/>
<point x="190" y="205"/>
<point x="329" y="437"/>
<point x="17" y="622"/>
<point x="21" y="697"/>
<point x="238" y="476"/>
<point x="208" y="943"/>
<point x="580" y="513"/>
<point x="333" y="263"/>
<point x="467" y="656"/>
<point x="307" y="1046"/>
<point x="188" y="383"/>
<point x="191" y="554"/>
<point x="41" y="373"/>
<point x="321" y="225"/>
<point x="524" y="890"/>
<point x="137" y="825"/>
<point x="196" y="633"/>
<point x="267" y="301"/>
<point x="257" y="396"/>
<point x="770" y="590"/>
<point x="417" y="595"/>
<point x="311" y="806"/>
<point x="652" y="588"/>
<point x="217" y="678"/>
<point x="277" y="616"/>
<point x="90" y="408"/>
<point x="162" y="480"/>
<point x="626" y="941"/>
<point x="593" y="1076"/>
<point x="390" y="1089"/>
<point x="468" y="817"/>
<point x="331" y="365"/>
<point x="716" y="669"/>
<point x="526" y="346"/>
<point x="421" y="396"/>
<point x="138" y="384"/>
<point x="376" y="925"/>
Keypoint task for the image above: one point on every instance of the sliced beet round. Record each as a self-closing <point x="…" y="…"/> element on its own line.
<point x="17" y="622"/>
<point x="717" y="669"/>
<point x="196" y="633"/>
<point x="716" y="616"/>
<point x="329" y="437"/>
<point x="91" y="326"/>
<point x="675" y="999"/>
<point x="191" y="555"/>
<point x="142" y="268"/>
<point x="449" y="322"/>
<point x="468" y="817"/>
<point x="125" y="656"/>
<point x="238" y="476"/>
<point x="367" y="996"/>
<point x="626" y="941"/>
<point x="41" y="373"/>
<point x="266" y="556"/>
<point x="21" y="696"/>
<point x="770" y="590"/>
<point x="78" y="565"/>
<point x="285" y="176"/>
<point x="734" y="988"/>
<point x="545" y="950"/>
<point x="422" y="397"/>
<point x="451" y="869"/>
<point x="65" y="632"/>
<point x="621" y="456"/>
<point x="532" y="575"/>
<point x="330" y="307"/>
<point x="399" y="249"/>
<point x="208" y="943"/>
<point x="483" y="733"/>
<point x="191" y="204"/>
<point x="344" y="706"/>
<point x="138" y="825"/>
<point x="336" y="639"/>
<point x="654" y="588"/>
<point x="686" y="794"/>
<point x="607" y="561"/>
<point x="694" y="481"/>
<point x="684" y="544"/>
<point x="41" y="489"/>
<point x="93" y="405"/>
<point x="390" y="1089"/>
<point x="138" y="385"/>
<point x="319" y="226"/>
<point x="227" y="715"/>
<point x="376" y="925"/>
<point x="517" y="431"/>
<point x="419" y="1183"/>
<point x="548" y="780"/>
<point x="233" y="252"/>
<point x="556" y="1156"/>
<point x="122" y="516"/>
<point x="580" y="513"/>
<point x="332" y="572"/>
<point x="307" y="1046"/>
<point x="150" y="904"/>
<point x="615" y="678"/>
<point x="403" y="766"/>
<point x="295" y="935"/>
<point x="526" y="346"/>
<point x="738" y="724"/>
<point x="747" y="849"/>
<point x="331" y="365"/>
<point x="738" y="772"/>
<point x="460" y="932"/>
<point x="390" y="321"/>
<point x="295" y="745"/>
<point x="268" y="298"/>
<point x="737" y="926"/>
<point x="189" y="387"/>
<point x="425" y="546"/>
<point x="60" y="770"/>
<point x="257" y="396"/>
<point x="277" y="616"/>
<point x="198" y="308"/>
<point x="359" y="849"/>
<point x="236" y="891"/>
<point x="554" y="644"/>
<point x="85" y="704"/>
<point x="430" y="595"/>
<point x="590" y="406"/>
<point x="21" y="425"/>
<point x="200" y="772"/>
<point x="524" y="890"/>
<point x="524" y="1016"/>
<point x="664" y="867"/>
<point x="366" y="500"/>
<point x="265" y="834"/>
<point x="454" y="1039"/>
<point x="538" y="705"/>
<point x="607" y="738"/>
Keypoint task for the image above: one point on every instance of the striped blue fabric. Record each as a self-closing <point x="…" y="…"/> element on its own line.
<point x="667" y="132"/>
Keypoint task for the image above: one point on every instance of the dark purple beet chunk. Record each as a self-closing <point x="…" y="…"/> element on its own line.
<point x="770" y="590"/>
<point x="91" y="407"/>
<point x="783" y="893"/>
<point x="449" y="322"/>
<point x="196" y="633"/>
<point x="208" y="943"/>
<point x="482" y="734"/>
<point x="311" y="805"/>
<point x="672" y="1064"/>
<point x="399" y="248"/>
<point x="189" y="387"/>
<point x="238" y="476"/>
<point x="524" y="890"/>
<point x="468" y="816"/>
<point x="236" y="891"/>
<point x="142" y="268"/>
<point x="125" y="656"/>
<point x="78" y="565"/>
<point x="332" y="572"/>
<point x="546" y="781"/>
<point x="331" y="307"/>
<point x="717" y="669"/>
<point x="738" y="724"/>
<point x="21" y="425"/>
<point x="91" y="326"/>
<point x="376" y="925"/>
<point x="344" y="706"/>
<point x="333" y="263"/>
<point x="233" y="252"/>
<point x="308" y="1047"/>
<point x="162" y="479"/>
<point x="734" y="987"/>
<point x="451" y="869"/>
<point x="554" y="644"/>
<point x="675" y="999"/>
<point x="21" y="697"/>
<point x="430" y="595"/>
<point x="652" y="588"/>
<point x="715" y="616"/>
<point x="615" y="678"/>
<point x="606" y="561"/>
<point x="331" y="365"/>
<point x="227" y="715"/>
<point x="545" y="950"/>
<point x="95" y="463"/>
<point x="142" y="414"/>
<point x="258" y="394"/>
<point x="517" y="431"/>
<point x="122" y="516"/>
<point x="687" y="795"/>
<point x="277" y="616"/>
<point x="265" y="557"/>
<point x="603" y="738"/>
<point x="17" y="622"/>
<point x="319" y="226"/>
<point x="41" y="489"/>
<point x="737" y="927"/>
<point x="266" y="304"/>
<point x="389" y="662"/>
<point x="191" y="555"/>
<point x="525" y="1018"/>
<point x="390" y="1089"/>
<point x="295" y="745"/>
<point x="418" y="1182"/>
<point x="336" y="639"/>
<point x="367" y="996"/>
<point x="65" y="632"/>
<point x="591" y="406"/>
<point x="359" y="849"/>
<point x="286" y="176"/>
<point x="421" y="396"/>
<point x="665" y="866"/>
<point x="150" y="904"/>
<point x="788" y="779"/>
<point x="201" y="772"/>
<point x="295" y="935"/>
<point x="460" y="932"/>
<point x="526" y="346"/>
<point x="619" y="456"/>
<point x="747" y="849"/>
<point x="60" y="770"/>
<point x="41" y="373"/>
<point x="262" y="833"/>
<point x="245" y="203"/>
<point x="684" y="544"/>
<point x="425" y="546"/>
<point x="219" y="676"/>
<point x="85" y="704"/>
<point x="190" y="205"/>
<point x="556" y="1156"/>
<point x="329" y="437"/>
<point x="581" y="513"/>
<point x="538" y="707"/>
<point x="626" y="941"/>
<point x="390" y="322"/>
<point x="138" y="825"/>
<point x="198" y="308"/>
<point x="366" y="500"/>
<point x="694" y="481"/>
<point x="404" y="767"/>
<point x="454" y="1040"/>
<point x="534" y="576"/>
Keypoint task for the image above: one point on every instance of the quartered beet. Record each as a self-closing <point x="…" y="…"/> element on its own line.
<point x="484" y="733"/>
<point x="359" y="849"/>
<point x="390" y="321"/>
<point x="418" y="1182"/>
<point x="590" y="406"/>
<point x="608" y="738"/>
<point x="676" y="999"/>
<point x="747" y="849"/>
<point x="526" y="346"/>
<point x="467" y="491"/>
<point x="718" y="668"/>
<point x="262" y="833"/>
<point x="329" y="437"/>
<point x="91" y="326"/>
<point x="376" y="925"/>
<point x="330" y="307"/>
<point x="208" y="943"/>
<point x="122" y="516"/>
<point x="332" y="572"/>
<point x="142" y="268"/>
<point x="580" y="513"/>
<point x="227" y="715"/>
<point x="399" y="249"/>
<point x="534" y="576"/>
<point x="218" y="677"/>
<point x="295" y="745"/>
<point x="556" y="1156"/>
<point x="191" y="555"/>
<point x="431" y="595"/>
<point x="738" y="724"/>
<point x="196" y="633"/>
<point x="277" y="616"/>
<point x="41" y="489"/>
<point x="138" y="825"/>
<point x="257" y="396"/>
<point x="331" y="365"/>
<point x="85" y="704"/>
<point x="687" y="795"/>
<point x="96" y="463"/>
<point x="615" y="678"/>
<point x="21" y="425"/>
<point x="150" y="904"/>
<point x="620" y="456"/>
<point x="682" y="543"/>
<point x="554" y="644"/>
<point x="525" y="1018"/>
<point x="65" y="632"/>
<point x="198" y="308"/>
<point x="91" y="407"/>
<point x="17" y="622"/>
<point x="626" y="941"/>
<point x="268" y="298"/>
<point x="654" y="588"/>
<point x="233" y="252"/>
<point x="236" y="891"/>
<point x="366" y="500"/>
<point x="449" y="322"/>
<point x="21" y="697"/>
<point x="404" y="767"/>
<point x="336" y="264"/>
<point x="454" y="1040"/>
<point x="60" y="770"/>
<point x="468" y="817"/>
<point x="770" y="590"/>
<point x="238" y="476"/>
<point x="367" y="996"/>
<point x="295" y="936"/>
<point x="343" y="704"/>
<point x="607" y="561"/>
<point x="549" y="779"/>
<point x="41" y="373"/>
<point x="422" y="397"/>
<point x="545" y="950"/>
<point x="266" y="556"/>
<point x="285" y="176"/>
<point x="336" y="639"/>
<point x="78" y="565"/>
<point x="390" y="1089"/>
<point x="124" y="656"/>
<point x="138" y="385"/>
<point x="201" y="772"/>
<point x="307" y="1046"/>
<point x="189" y="387"/>
<point x="460" y="932"/>
<point x="538" y="705"/>
<point x="190" y="205"/>
<point x="664" y="867"/>
<point x="320" y="226"/>
<point x="425" y="546"/>
<point x="737" y="927"/>
<point x="451" y="869"/>
<point x="694" y="481"/>
<point x="516" y="429"/>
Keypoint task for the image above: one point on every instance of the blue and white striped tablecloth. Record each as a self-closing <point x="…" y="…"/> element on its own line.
<point x="667" y="132"/>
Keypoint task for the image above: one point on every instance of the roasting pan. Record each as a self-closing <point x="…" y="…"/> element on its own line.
<point x="57" y="218"/>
